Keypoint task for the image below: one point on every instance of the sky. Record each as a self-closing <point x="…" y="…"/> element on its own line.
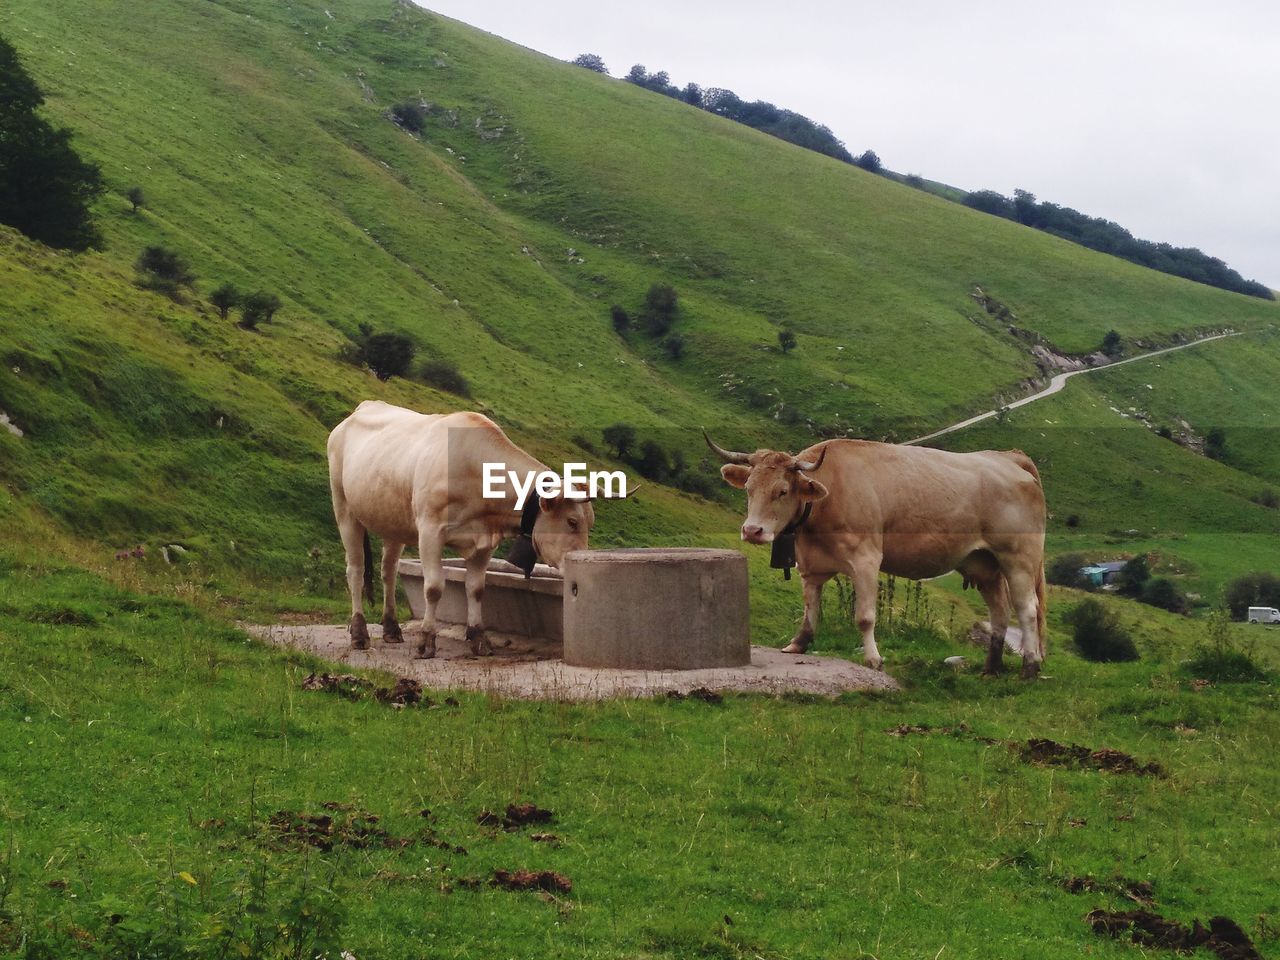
<point x="1162" y="116"/>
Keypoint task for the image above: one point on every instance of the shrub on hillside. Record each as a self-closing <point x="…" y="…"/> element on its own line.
<point x="165" y="271"/>
<point x="224" y="298"/>
<point x="869" y="161"/>
<point x="786" y="341"/>
<point x="1164" y="593"/>
<point x="1215" y="444"/>
<point x="444" y="375"/>
<point x="258" y="307"/>
<point x="386" y="354"/>
<point x="1064" y="571"/>
<point x="1133" y="577"/>
<point x="660" y="305"/>
<point x="1220" y="658"/>
<point x="620" y="438"/>
<point x="621" y="319"/>
<point x="410" y="115"/>
<point x="1258" y="589"/>
<point x="674" y="345"/>
<point x="1112" y="344"/>
<point x="46" y="189"/>
<point x="137" y="199"/>
<point x="590" y="61"/>
<point x="1098" y="634"/>
<point x="1267" y="498"/>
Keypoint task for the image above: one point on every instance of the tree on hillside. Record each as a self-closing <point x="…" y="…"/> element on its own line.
<point x="386" y="354"/>
<point x="674" y="345"/>
<point x="1259" y="589"/>
<point x="46" y="189"/>
<point x="163" y="270"/>
<point x="637" y="75"/>
<point x="692" y="94"/>
<point x="1133" y="576"/>
<point x="869" y="161"/>
<point x="621" y="437"/>
<point x="786" y="341"/>
<point x="259" y="307"/>
<point x="136" y="197"/>
<point x="621" y="319"/>
<point x="1164" y="593"/>
<point x="224" y="298"/>
<point x="1215" y="444"/>
<point x="1112" y="345"/>
<point x="590" y="61"/>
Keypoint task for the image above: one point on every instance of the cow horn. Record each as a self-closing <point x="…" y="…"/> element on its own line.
<point x="729" y="456"/>
<point x="809" y="467"/>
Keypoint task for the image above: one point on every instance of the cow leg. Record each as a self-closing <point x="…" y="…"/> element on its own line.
<point x="813" y="584"/>
<point x="865" y="573"/>
<point x="477" y="565"/>
<point x="996" y="596"/>
<point x="429" y="550"/>
<point x="353" y="534"/>
<point x="390" y="562"/>
<point x="1022" y="593"/>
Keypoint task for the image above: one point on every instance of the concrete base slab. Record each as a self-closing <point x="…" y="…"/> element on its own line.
<point x="533" y="669"/>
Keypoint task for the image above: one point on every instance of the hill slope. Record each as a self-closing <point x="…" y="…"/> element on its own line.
<point x="261" y="138"/>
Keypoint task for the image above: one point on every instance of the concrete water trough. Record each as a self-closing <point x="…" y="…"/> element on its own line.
<point x="680" y="608"/>
<point x="531" y="608"/>
<point x="636" y="609"/>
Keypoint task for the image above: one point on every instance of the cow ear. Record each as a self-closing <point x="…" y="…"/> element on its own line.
<point x="735" y="474"/>
<point x="810" y="489"/>
<point x="548" y="504"/>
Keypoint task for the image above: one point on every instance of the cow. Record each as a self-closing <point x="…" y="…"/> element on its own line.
<point x="413" y="478"/>
<point x="858" y="507"/>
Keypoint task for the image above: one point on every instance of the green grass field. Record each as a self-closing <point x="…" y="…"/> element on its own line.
<point x="147" y="742"/>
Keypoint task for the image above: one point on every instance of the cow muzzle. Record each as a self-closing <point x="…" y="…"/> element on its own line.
<point x="754" y="533"/>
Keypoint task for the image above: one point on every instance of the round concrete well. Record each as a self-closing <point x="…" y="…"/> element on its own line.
<point x="656" y="609"/>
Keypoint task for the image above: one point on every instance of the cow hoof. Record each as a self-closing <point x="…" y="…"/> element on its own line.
<point x="875" y="663"/>
<point x="424" y="652"/>
<point x="359" y="632"/>
<point x="480" y="645"/>
<point x="794" y="647"/>
<point x="391" y="632"/>
<point x="1030" y="670"/>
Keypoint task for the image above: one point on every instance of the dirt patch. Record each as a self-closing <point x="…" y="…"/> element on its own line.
<point x="546" y="880"/>
<point x="339" y="828"/>
<point x="405" y="692"/>
<point x="547" y="838"/>
<point x="1044" y="752"/>
<point x="1148" y="929"/>
<point x="345" y="825"/>
<point x="1141" y="892"/>
<point x="909" y="729"/>
<point x="1050" y="753"/>
<point x="518" y="815"/>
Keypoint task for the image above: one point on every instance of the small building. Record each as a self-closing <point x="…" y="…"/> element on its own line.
<point x="1103" y="574"/>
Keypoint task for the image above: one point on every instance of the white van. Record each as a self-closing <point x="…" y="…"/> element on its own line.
<point x="1264" y="615"/>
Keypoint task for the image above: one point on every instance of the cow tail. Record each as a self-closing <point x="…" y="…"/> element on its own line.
<point x="1041" y="612"/>
<point x="368" y="568"/>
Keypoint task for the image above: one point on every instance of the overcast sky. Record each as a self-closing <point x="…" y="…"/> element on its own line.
<point x="1163" y="116"/>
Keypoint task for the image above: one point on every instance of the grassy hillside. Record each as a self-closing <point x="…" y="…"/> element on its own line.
<point x="259" y="135"/>
<point x="147" y="743"/>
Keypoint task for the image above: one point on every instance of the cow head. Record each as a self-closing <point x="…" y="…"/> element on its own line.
<point x="562" y="525"/>
<point x="778" y="486"/>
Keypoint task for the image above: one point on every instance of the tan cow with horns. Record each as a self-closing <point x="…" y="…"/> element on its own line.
<point x="857" y="507"/>
<point x="413" y="478"/>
